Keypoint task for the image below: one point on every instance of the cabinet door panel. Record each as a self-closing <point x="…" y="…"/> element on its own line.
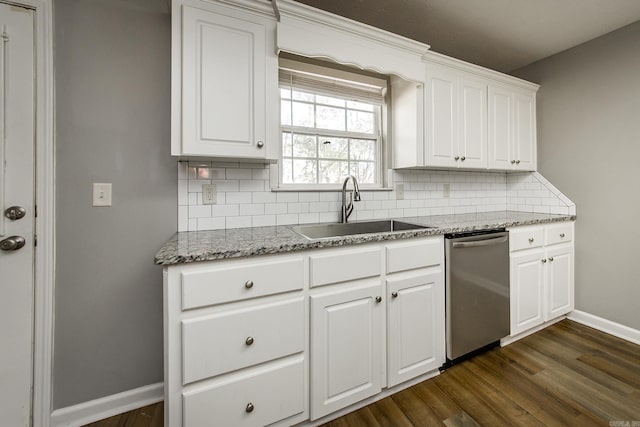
<point x="223" y="71"/>
<point x="500" y="128"/>
<point x="524" y="140"/>
<point x="526" y="291"/>
<point x="346" y="347"/>
<point x="415" y="327"/>
<point x="472" y="129"/>
<point x="559" y="281"/>
<point x="441" y="127"/>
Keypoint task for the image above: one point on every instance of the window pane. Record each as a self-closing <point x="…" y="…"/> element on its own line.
<point x="304" y="171"/>
<point x="332" y="172"/>
<point x="333" y="148"/>
<point x="363" y="149"/>
<point x="285" y="93"/>
<point x="302" y="96"/>
<point x="359" y="121"/>
<point x="287" y="171"/>
<point x="304" y="146"/>
<point x="287" y="150"/>
<point x="330" y="118"/>
<point x="365" y="172"/>
<point x="359" y="106"/>
<point x="330" y="101"/>
<point x="302" y="114"/>
<point x="285" y="113"/>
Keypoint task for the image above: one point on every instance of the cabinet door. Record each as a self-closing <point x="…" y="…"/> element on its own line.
<point x="500" y="128"/>
<point x="527" y="282"/>
<point x="559" y="281"/>
<point x="442" y="117"/>
<point x="524" y="131"/>
<point x="415" y="326"/>
<point x="346" y="347"/>
<point x="472" y="123"/>
<point x="223" y="84"/>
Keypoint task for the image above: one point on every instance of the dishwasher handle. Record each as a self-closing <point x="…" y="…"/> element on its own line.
<point x="483" y="242"/>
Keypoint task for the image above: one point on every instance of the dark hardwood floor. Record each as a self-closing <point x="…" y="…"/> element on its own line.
<point x="565" y="375"/>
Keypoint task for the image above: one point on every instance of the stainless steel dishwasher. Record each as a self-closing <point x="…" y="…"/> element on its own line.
<point x="477" y="291"/>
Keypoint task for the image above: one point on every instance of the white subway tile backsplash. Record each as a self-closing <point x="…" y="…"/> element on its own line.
<point x="244" y="196"/>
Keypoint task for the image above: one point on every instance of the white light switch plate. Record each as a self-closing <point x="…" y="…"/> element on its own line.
<point x="101" y="194"/>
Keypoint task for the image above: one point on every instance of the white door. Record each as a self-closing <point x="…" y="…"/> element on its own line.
<point x="346" y="347"/>
<point x="442" y="117"/>
<point x="527" y="281"/>
<point x="524" y="132"/>
<point x="559" y="281"/>
<point x="500" y="130"/>
<point x="472" y="124"/>
<point x="416" y="342"/>
<point x="16" y="189"/>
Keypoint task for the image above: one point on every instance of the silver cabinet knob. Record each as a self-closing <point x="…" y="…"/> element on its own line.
<point x="394" y="294"/>
<point x="378" y="299"/>
<point x="456" y="158"/>
<point x="513" y="162"/>
<point x="15" y="212"/>
<point x="530" y="239"/>
<point x="259" y="144"/>
<point x="517" y="162"/>
<point x="544" y="260"/>
<point x="551" y="258"/>
<point x="463" y="158"/>
<point x="248" y="341"/>
<point x="562" y="235"/>
<point x="249" y="284"/>
<point x="249" y="407"/>
<point x="12" y="243"/>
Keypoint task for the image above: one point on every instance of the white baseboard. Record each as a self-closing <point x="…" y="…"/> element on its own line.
<point x="607" y="326"/>
<point x="105" y="407"/>
<point x="513" y="338"/>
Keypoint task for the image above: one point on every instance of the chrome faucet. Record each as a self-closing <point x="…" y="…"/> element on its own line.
<point x="354" y="196"/>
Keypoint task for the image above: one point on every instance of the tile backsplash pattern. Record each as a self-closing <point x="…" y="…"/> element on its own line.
<point x="244" y="197"/>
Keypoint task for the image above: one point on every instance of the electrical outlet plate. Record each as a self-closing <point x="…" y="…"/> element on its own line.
<point x="209" y="195"/>
<point x="101" y="194"/>
<point x="399" y="191"/>
<point x="446" y="190"/>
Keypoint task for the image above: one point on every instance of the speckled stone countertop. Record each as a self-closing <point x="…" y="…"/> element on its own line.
<point x="192" y="246"/>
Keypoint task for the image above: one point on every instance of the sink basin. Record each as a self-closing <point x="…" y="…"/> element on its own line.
<point x="339" y="229"/>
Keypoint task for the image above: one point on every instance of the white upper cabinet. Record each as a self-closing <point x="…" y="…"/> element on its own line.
<point x="225" y="90"/>
<point x="512" y="128"/>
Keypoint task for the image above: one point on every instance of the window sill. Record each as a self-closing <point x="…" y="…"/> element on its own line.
<point x="310" y="189"/>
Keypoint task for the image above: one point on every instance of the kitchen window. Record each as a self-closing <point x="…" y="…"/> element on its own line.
<point x="331" y="126"/>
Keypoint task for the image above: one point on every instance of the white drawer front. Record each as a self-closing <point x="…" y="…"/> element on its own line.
<point x="274" y="393"/>
<point x="526" y="238"/>
<point x="340" y="265"/>
<point x="236" y="339"/>
<point x="218" y="284"/>
<point x="558" y="233"/>
<point x="414" y="254"/>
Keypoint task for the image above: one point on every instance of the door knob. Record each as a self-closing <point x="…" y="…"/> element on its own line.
<point x="378" y="299"/>
<point x="463" y="158"/>
<point x="15" y="212"/>
<point x="12" y="243"/>
<point x="394" y="294"/>
<point x="517" y="162"/>
<point x="456" y="158"/>
<point x="512" y="162"/>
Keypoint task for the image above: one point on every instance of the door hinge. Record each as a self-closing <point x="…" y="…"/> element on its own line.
<point x="35" y="210"/>
<point x="35" y="240"/>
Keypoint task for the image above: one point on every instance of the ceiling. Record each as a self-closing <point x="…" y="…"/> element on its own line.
<point x="499" y="34"/>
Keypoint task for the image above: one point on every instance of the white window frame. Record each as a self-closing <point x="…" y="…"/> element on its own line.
<point x="380" y="134"/>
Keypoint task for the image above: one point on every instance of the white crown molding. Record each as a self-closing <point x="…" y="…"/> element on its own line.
<point x="468" y="67"/>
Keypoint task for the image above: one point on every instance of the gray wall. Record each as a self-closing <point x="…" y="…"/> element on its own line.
<point x="589" y="147"/>
<point x="112" y="81"/>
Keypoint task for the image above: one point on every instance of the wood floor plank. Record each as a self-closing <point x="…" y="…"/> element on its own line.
<point x="360" y="418"/>
<point x="438" y="401"/>
<point x="388" y="414"/>
<point x="415" y="409"/>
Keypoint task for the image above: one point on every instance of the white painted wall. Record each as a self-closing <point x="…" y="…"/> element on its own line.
<point x="589" y="147"/>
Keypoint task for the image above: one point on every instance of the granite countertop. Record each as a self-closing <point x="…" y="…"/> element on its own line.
<point x="192" y="246"/>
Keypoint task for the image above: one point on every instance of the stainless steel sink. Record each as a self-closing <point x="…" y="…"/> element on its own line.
<point x="338" y="229"/>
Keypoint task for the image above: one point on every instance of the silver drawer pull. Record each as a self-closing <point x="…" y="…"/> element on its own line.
<point x="249" y="407"/>
<point x="248" y="341"/>
<point x="562" y="235"/>
<point x="530" y="239"/>
<point x="249" y="284"/>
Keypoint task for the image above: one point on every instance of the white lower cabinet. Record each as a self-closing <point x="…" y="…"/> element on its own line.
<point x="542" y="274"/>
<point x="415" y="331"/>
<point x="346" y="346"/>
